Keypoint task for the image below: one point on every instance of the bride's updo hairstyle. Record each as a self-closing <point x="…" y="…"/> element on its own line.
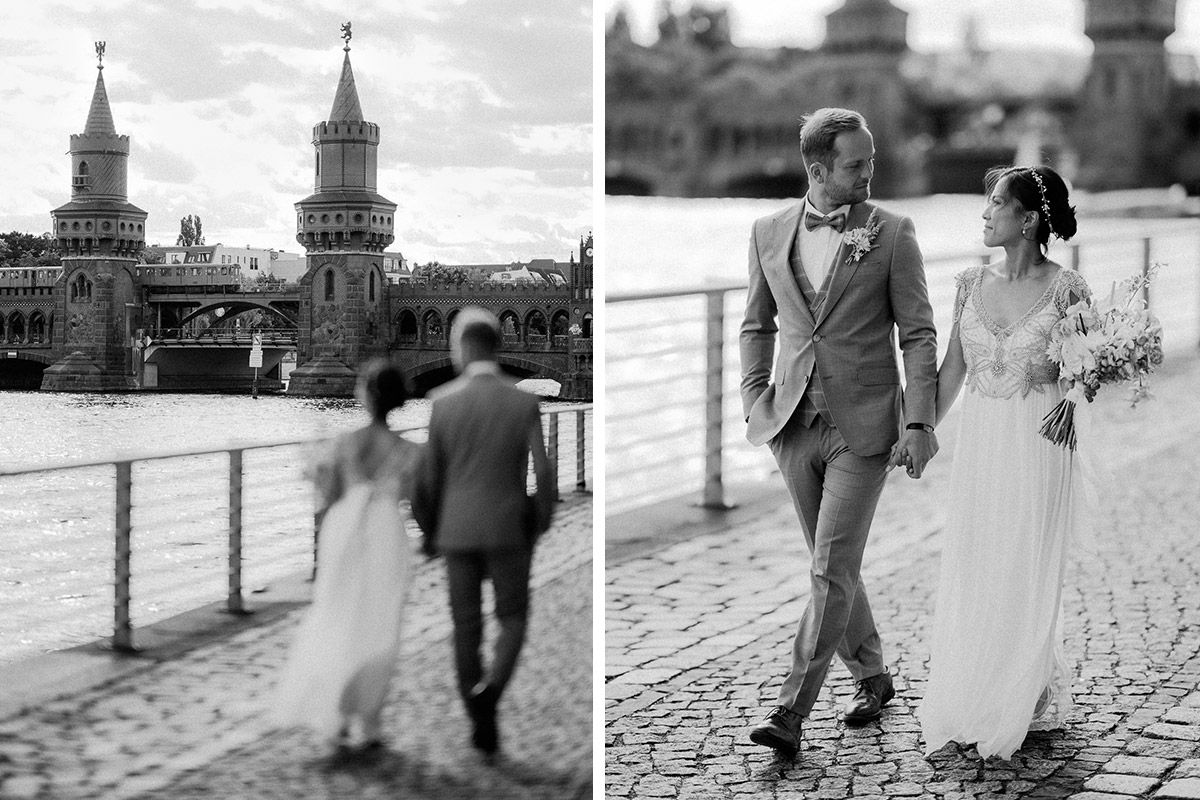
<point x="1038" y="189"/>
<point x="381" y="387"/>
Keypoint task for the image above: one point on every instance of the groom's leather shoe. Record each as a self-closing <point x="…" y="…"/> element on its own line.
<point x="872" y="694"/>
<point x="481" y="705"/>
<point x="780" y="730"/>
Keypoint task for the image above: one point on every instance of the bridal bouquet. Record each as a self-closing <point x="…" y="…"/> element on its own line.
<point x="1098" y="344"/>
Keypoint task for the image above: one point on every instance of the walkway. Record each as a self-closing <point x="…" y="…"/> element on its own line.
<point x="698" y="632"/>
<point x="187" y="721"/>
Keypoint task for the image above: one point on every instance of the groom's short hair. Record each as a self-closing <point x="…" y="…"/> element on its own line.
<point x="476" y="328"/>
<point x="819" y="131"/>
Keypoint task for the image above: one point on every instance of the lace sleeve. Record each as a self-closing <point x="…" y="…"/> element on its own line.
<point x="963" y="280"/>
<point x="1071" y="289"/>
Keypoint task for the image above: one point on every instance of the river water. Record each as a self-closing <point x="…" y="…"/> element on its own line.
<point x="56" y="540"/>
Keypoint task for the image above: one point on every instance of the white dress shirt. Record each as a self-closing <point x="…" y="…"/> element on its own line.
<point x="819" y="246"/>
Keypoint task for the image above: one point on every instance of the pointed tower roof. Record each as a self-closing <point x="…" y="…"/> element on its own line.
<point x="100" y="120"/>
<point x="346" y="107"/>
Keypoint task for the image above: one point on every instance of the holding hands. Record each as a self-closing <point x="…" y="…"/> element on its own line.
<point x="913" y="451"/>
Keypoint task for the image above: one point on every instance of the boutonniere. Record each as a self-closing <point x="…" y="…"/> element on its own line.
<point x="860" y="240"/>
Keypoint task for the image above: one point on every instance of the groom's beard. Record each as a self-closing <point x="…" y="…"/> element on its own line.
<point x="847" y="195"/>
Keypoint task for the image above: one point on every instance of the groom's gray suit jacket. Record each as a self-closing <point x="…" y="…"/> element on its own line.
<point x="849" y="339"/>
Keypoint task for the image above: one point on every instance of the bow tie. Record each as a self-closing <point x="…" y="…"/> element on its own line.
<point x="835" y="221"/>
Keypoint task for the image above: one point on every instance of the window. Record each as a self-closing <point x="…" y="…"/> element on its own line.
<point x="329" y="284"/>
<point x="81" y="289"/>
<point x="371" y="289"/>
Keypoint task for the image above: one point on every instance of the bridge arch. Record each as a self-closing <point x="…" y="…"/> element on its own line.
<point x="37" y="327"/>
<point x="406" y="324"/>
<point x="233" y="308"/>
<point x="24" y="371"/>
<point x="510" y="324"/>
<point x="15" y="330"/>
<point x="535" y="324"/>
<point x="560" y="321"/>
<point x="432" y="328"/>
<point x="430" y="374"/>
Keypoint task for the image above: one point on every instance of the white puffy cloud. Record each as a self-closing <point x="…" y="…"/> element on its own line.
<point x="484" y="108"/>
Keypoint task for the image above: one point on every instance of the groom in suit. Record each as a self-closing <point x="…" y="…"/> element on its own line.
<point x="831" y="278"/>
<point x="469" y="499"/>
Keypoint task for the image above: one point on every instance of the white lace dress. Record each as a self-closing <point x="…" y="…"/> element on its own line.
<point x="996" y="667"/>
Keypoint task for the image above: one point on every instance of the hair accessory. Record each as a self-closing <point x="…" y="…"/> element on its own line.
<point x="1045" y="203"/>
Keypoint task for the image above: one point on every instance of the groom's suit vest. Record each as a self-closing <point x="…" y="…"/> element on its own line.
<point x="813" y="404"/>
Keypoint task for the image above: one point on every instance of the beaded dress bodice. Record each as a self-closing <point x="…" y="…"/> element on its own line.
<point x="1005" y="362"/>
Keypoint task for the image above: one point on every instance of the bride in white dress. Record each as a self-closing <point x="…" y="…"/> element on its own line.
<point x="996" y="668"/>
<point x="341" y="661"/>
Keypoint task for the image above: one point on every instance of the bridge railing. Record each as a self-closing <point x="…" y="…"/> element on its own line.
<point x="533" y="342"/>
<point x="569" y="458"/>
<point x="270" y="336"/>
<point x="674" y="422"/>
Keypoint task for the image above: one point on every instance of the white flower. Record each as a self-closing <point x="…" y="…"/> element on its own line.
<point x="1076" y="355"/>
<point x="860" y="239"/>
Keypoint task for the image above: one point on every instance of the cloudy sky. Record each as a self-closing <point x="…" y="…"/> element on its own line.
<point x="932" y="24"/>
<point x="485" y="110"/>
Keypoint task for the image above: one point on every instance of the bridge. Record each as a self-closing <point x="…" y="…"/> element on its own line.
<point x="426" y="363"/>
<point x="178" y="358"/>
<point x="198" y="337"/>
<point x="546" y="330"/>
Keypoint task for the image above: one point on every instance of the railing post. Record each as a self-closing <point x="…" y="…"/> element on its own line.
<point x="552" y="452"/>
<point x="122" y="630"/>
<point x="233" y="603"/>
<point x="714" y="489"/>
<point x="580" y="451"/>
<point x="317" y="517"/>
<point x="1145" y="271"/>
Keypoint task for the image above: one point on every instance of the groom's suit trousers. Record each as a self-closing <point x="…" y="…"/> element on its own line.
<point x="835" y="492"/>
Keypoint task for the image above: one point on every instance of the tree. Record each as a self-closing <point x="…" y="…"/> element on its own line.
<point x="190" y="232"/>
<point x="436" y="272"/>
<point x="19" y="249"/>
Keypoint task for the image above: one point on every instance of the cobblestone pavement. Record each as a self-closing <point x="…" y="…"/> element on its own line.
<point x="194" y="726"/>
<point x="698" y="635"/>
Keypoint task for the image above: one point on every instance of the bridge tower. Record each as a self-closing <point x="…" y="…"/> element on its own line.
<point x="577" y="383"/>
<point x="865" y="47"/>
<point x="345" y="226"/>
<point x="99" y="234"/>
<point x="1119" y="129"/>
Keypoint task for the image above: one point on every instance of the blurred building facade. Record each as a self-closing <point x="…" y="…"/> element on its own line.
<point x="694" y="115"/>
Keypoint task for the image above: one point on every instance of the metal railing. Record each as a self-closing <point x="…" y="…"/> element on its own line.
<point x="122" y="637"/>
<point x="629" y="353"/>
